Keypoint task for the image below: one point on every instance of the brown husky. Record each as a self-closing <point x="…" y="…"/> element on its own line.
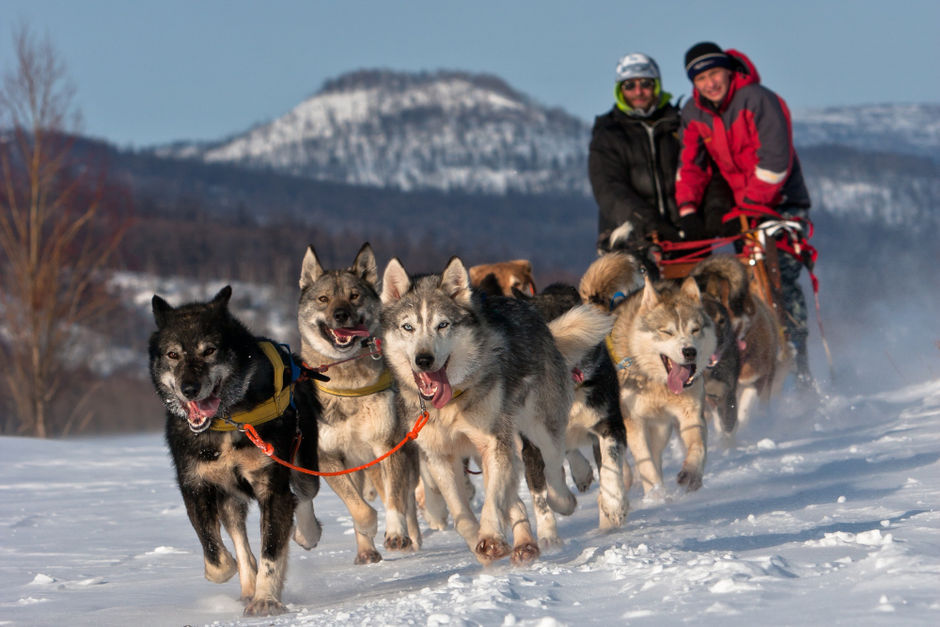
<point x="765" y="356"/>
<point x="337" y="316"/>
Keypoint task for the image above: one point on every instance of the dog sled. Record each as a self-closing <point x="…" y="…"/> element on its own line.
<point x="764" y="236"/>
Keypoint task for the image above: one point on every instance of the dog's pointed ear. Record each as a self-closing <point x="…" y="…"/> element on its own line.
<point x="455" y="281"/>
<point x="220" y="300"/>
<point x="161" y="311"/>
<point x="395" y="281"/>
<point x="310" y="269"/>
<point x="690" y="289"/>
<point x="364" y="265"/>
<point x="650" y="295"/>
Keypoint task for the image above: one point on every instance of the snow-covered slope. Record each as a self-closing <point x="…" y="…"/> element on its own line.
<point x="465" y="132"/>
<point x="443" y="130"/>
<point x="825" y="520"/>
<point x="899" y="128"/>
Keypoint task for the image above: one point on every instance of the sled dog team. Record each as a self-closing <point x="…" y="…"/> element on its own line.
<point x="516" y="383"/>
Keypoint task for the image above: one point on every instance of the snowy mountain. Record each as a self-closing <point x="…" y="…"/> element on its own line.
<point x="461" y="132"/>
<point x="896" y="128"/>
<point x="442" y="130"/>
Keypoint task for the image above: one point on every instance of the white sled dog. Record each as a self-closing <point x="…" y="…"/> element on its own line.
<point x="338" y="316"/>
<point x="491" y="370"/>
<point x="661" y="343"/>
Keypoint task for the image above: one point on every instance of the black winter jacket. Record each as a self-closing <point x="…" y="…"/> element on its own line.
<point x="632" y="166"/>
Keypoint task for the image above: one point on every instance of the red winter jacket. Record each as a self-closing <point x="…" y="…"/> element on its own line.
<point x="750" y="139"/>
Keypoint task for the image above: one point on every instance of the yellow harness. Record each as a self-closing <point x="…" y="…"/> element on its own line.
<point x="384" y="382"/>
<point x="621" y="364"/>
<point x="269" y="409"/>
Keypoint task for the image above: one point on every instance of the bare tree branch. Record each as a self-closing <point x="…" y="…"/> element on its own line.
<point x="54" y="236"/>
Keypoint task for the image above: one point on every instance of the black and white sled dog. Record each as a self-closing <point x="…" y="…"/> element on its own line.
<point x="594" y="419"/>
<point x="338" y="317"/>
<point x="491" y="370"/>
<point x="213" y="374"/>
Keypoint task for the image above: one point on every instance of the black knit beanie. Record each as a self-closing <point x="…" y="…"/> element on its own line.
<point x="704" y="56"/>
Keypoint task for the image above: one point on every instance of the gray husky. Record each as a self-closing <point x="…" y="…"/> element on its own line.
<point x="338" y="316"/>
<point x="491" y="371"/>
<point x="213" y="376"/>
<point x="594" y="419"/>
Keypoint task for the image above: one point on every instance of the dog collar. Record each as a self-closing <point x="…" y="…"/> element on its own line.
<point x="269" y="409"/>
<point x="621" y="364"/>
<point x="384" y="382"/>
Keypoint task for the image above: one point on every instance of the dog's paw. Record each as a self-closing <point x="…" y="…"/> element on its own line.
<point x="224" y="570"/>
<point x="612" y="515"/>
<point x="264" y="607"/>
<point x="370" y="556"/>
<point x="583" y="486"/>
<point x="398" y="542"/>
<point x="309" y="537"/>
<point x="655" y="495"/>
<point x="491" y="549"/>
<point x="562" y="502"/>
<point x="525" y="554"/>
<point x="549" y="543"/>
<point x="581" y="471"/>
<point x="438" y="524"/>
<point x="691" y="479"/>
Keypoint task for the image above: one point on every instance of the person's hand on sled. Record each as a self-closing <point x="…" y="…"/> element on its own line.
<point x="692" y="227"/>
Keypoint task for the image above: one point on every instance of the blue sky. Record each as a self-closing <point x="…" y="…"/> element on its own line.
<point x="151" y="72"/>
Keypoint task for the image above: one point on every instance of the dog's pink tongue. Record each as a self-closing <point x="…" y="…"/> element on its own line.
<point x="435" y="383"/>
<point x="343" y="332"/>
<point x="205" y="408"/>
<point x="678" y="375"/>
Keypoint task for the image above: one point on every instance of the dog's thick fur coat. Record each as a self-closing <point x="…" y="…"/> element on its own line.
<point x="765" y="358"/>
<point x="594" y="419"/>
<point x="508" y="275"/>
<point x="661" y="341"/>
<point x="338" y="313"/>
<point x="206" y="365"/>
<point x="491" y="371"/>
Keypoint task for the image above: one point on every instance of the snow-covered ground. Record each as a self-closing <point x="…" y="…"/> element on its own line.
<point x="810" y="519"/>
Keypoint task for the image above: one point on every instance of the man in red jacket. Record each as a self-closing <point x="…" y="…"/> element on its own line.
<point x="745" y="128"/>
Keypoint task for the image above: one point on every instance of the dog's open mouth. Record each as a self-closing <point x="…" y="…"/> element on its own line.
<point x="200" y="413"/>
<point x="434" y="387"/>
<point x="343" y="337"/>
<point x="679" y="376"/>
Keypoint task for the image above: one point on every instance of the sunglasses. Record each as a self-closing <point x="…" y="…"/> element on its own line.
<point x="644" y="83"/>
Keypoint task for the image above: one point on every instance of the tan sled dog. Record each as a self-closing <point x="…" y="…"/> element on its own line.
<point x="661" y="343"/>
<point x="509" y="275"/>
<point x="338" y="315"/>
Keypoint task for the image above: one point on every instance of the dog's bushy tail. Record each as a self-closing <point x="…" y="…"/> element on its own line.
<point x="579" y="330"/>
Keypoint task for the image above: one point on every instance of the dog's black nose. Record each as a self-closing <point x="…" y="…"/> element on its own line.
<point x="342" y="316"/>
<point x="689" y="353"/>
<point x="424" y="360"/>
<point x="190" y="389"/>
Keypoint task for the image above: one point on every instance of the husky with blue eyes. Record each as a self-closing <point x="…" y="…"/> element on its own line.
<point x="496" y="382"/>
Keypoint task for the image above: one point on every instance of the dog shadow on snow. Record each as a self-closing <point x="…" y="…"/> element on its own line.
<point x="827" y="482"/>
<point x="769" y="540"/>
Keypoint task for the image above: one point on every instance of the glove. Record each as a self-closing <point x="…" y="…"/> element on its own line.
<point x="665" y="230"/>
<point x="692" y="227"/>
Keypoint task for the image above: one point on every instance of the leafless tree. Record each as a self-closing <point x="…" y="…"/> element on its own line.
<point x="54" y="235"/>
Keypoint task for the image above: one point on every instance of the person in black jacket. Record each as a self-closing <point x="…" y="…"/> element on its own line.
<point x="632" y="163"/>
